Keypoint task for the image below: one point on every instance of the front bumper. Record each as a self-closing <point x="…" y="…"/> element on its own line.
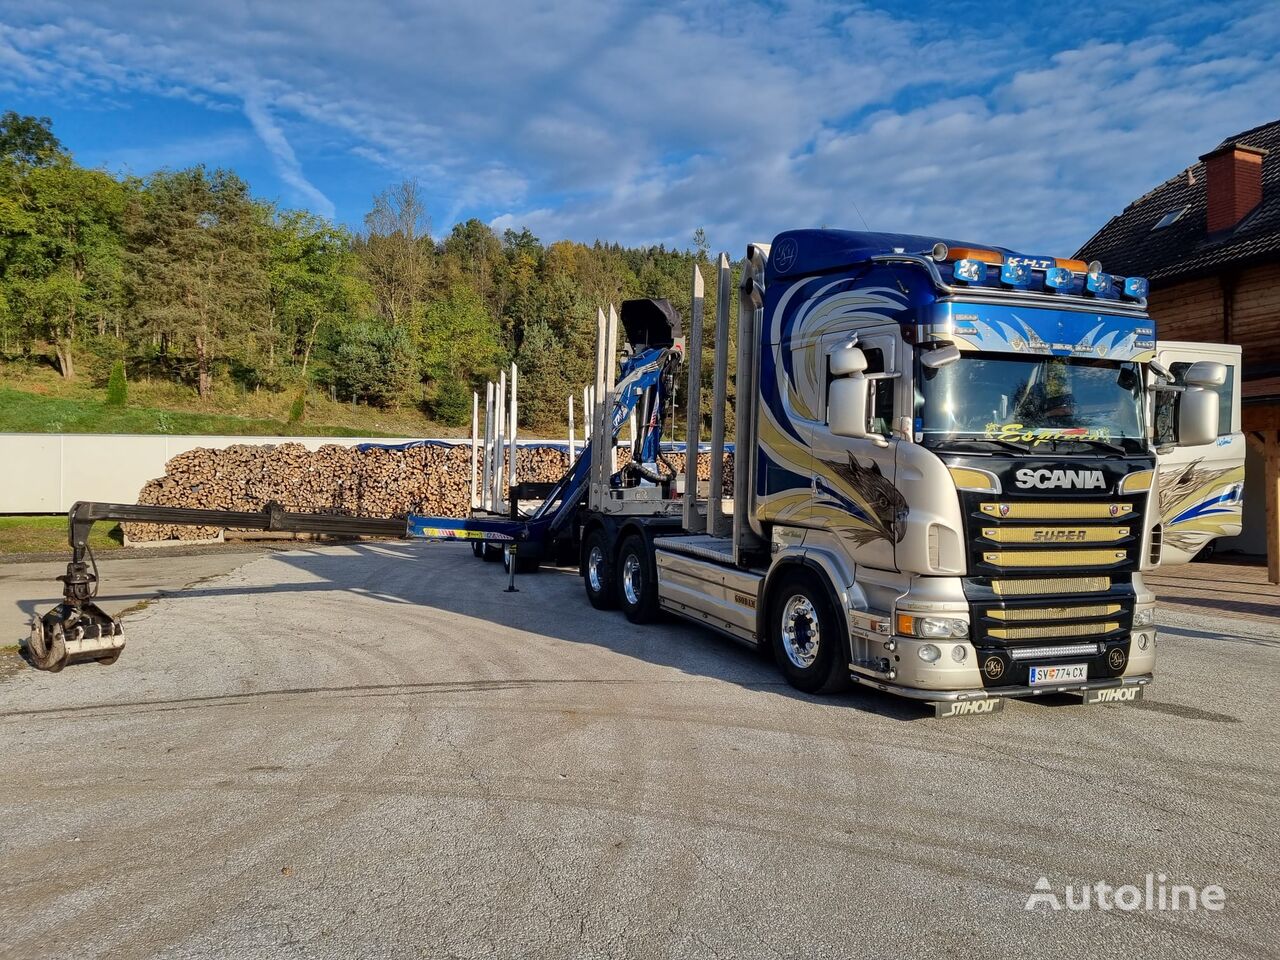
<point x="997" y="693"/>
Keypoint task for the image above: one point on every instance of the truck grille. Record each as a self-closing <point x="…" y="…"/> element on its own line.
<point x="1051" y="586"/>
<point x="1053" y="630"/>
<point x="1050" y="581"/>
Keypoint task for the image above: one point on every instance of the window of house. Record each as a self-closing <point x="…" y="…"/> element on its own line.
<point x="1169" y="218"/>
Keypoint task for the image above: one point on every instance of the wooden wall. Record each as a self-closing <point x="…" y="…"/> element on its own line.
<point x="1243" y="308"/>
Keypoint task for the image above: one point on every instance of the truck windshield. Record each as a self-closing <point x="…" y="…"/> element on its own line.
<point x="1059" y="404"/>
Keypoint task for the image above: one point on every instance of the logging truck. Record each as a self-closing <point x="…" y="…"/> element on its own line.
<point x="954" y="464"/>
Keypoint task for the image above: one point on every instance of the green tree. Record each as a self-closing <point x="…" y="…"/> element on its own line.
<point x="29" y="140"/>
<point x="544" y="386"/>
<point x="458" y="343"/>
<point x="200" y="276"/>
<point x="314" y="282"/>
<point x="117" y="386"/>
<point x="396" y="252"/>
<point x="375" y="362"/>
<point x="63" y="253"/>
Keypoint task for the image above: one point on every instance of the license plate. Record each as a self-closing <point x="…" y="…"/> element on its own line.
<point x="1068" y="673"/>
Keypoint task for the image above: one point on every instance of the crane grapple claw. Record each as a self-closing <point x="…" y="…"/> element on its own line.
<point x="77" y="629"/>
<point x="74" y="633"/>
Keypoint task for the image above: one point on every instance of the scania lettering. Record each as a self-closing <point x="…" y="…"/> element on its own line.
<point x="1063" y="479"/>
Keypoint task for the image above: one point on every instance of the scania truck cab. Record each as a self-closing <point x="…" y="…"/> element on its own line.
<point x="954" y="468"/>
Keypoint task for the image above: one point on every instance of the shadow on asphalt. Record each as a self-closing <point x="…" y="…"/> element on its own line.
<point x="473" y="588"/>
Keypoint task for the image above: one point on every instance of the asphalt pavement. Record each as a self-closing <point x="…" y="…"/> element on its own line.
<point x="374" y="751"/>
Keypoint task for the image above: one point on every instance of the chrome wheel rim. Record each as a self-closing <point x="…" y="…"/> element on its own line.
<point x="595" y="560"/>
<point x="800" y="634"/>
<point x="631" y="579"/>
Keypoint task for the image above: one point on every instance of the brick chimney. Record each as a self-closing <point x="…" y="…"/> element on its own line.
<point x="1234" y="175"/>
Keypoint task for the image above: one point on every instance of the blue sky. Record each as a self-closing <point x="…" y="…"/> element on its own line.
<point x="1026" y="125"/>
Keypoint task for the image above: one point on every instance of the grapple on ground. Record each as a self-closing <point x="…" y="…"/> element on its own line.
<point x="77" y="629"/>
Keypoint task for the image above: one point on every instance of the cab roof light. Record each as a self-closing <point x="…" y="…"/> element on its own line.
<point x="1136" y="288"/>
<point x="1058" y="278"/>
<point x="1098" y="283"/>
<point x="972" y="253"/>
<point x="1015" y="274"/>
<point x="969" y="271"/>
<point x="1076" y="266"/>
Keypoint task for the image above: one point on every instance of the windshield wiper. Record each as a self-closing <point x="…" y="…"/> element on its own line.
<point x="1109" y="444"/>
<point x="995" y="441"/>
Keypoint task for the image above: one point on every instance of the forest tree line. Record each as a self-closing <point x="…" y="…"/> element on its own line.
<point x="186" y="275"/>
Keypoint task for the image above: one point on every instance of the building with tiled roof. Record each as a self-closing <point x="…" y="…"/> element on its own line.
<point x="1209" y="241"/>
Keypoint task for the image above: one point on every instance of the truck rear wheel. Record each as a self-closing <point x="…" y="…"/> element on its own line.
<point x="637" y="581"/>
<point x="597" y="571"/>
<point x="805" y="635"/>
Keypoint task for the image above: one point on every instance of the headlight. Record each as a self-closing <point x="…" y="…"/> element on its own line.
<point x="942" y="627"/>
<point x="929" y="653"/>
<point x="1144" y="616"/>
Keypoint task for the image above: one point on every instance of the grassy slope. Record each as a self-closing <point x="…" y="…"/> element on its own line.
<point x="49" y="535"/>
<point x="22" y="412"/>
<point x="37" y="400"/>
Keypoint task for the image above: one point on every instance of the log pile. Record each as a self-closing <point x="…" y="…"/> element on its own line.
<point x="429" y="479"/>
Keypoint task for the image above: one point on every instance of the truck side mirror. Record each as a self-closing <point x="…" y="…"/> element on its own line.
<point x="940" y="356"/>
<point x="847" y="406"/>
<point x="1205" y="373"/>
<point x="1198" y="415"/>
<point x="849" y="392"/>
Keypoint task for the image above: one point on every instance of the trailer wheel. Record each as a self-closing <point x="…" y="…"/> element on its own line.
<point x="637" y="581"/>
<point x="805" y="635"/>
<point x="477" y="548"/>
<point x="597" y="571"/>
<point x="490" y="552"/>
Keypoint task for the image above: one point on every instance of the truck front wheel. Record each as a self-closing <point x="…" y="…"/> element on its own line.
<point x="637" y="584"/>
<point x="597" y="571"/>
<point x="805" y="634"/>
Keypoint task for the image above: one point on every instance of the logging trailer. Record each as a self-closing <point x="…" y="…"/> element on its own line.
<point x="954" y="464"/>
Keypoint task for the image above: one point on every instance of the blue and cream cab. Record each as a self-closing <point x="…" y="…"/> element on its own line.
<point x="985" y="450"/>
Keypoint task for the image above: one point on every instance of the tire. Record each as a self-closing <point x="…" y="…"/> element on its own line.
<point x="637" y="580"/>
<point x="806" y="635"/>
<point x="477" y="548"/>
<point x="490" y="552"/>
<point x="597" y="571"/>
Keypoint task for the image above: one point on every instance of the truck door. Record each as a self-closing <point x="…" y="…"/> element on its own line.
<point x="853" y="478"/>
<point x="1199" y="489"/>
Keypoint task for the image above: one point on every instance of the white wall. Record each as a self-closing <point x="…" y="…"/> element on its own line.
<point x="48" y="472"/>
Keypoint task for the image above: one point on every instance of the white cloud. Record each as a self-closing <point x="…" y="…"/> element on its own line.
<point x="286" y="162"/>
<point x="638" y="122"/>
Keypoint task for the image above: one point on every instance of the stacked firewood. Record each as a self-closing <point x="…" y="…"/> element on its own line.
<point x="375" y="482"/>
